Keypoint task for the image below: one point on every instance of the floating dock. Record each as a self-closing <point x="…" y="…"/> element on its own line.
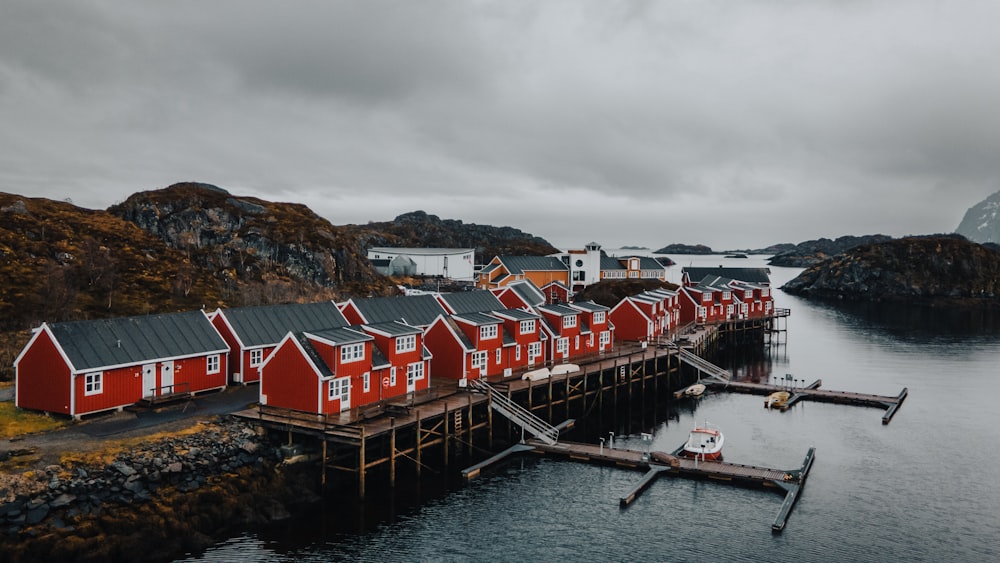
<point x="788" y="482"/>
<point x="812" y="392"/>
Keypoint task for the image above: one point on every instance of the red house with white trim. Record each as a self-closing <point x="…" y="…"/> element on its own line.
<point x="334" y="370"/>
<point x="576" y="329"/>
<point x="86" y="367"/>
<point x="252" y="333"/>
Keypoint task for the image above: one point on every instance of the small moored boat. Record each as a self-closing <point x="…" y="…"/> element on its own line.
<point x="695" y="390"/>
<point x="704" y="442"/>
<point x="776" y="399"/>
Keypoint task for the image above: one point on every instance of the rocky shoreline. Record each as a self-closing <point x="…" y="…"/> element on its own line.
<point x="177" y="494"/>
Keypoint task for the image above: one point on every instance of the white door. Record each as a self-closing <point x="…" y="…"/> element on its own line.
<point x="411" y="380"/>
<point x="148" y="380"/>
<point x="167" y="377"/>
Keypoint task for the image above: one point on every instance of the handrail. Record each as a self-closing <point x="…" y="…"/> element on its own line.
<point x="518" y="414"/>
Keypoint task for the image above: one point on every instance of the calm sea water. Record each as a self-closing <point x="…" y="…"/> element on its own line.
<point x="922" y="488"/>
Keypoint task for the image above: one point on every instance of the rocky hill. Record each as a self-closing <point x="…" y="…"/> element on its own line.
<point x="610" y="292"/>
<point x="420" y="229"/>
<point x="930" y="268"/>
<point x="981" y="222"/>
<point x="812" y="252"/>
<point x="257" y="251"/>
<point x="685" y="249"/>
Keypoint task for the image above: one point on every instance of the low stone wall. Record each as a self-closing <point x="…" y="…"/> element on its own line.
<point x="177" y="494"/>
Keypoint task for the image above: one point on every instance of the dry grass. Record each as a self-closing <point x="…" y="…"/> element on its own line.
<point x="109" y="450"/>
<point x="16" y="422"/>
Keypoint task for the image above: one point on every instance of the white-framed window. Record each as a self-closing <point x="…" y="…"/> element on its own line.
<point x="487" y="332"/>
<point x="414" y="372"/>
<point x="352" y="352"/>
<point x="599" y="317"/>
<point x="406" y="343"/>
<point x="590" y="340"/>
<point x="517" y="353"/>
<point x="479" y="360"/>
<point x="748" y="293"/>
<point x="528" y="327"/>
<point x="499" y="356"/>
<point x="562" y="345"/>
<point x="256" y="357"/>
<point x="93" y="383"/>
<point x="392" y="376"/>
<point x="366" y="381"/>
<point x="576" y="342"/>
<point x="212" y="364"/>
<point x="706" y="297"/>
<point x="633" y="275"/>
<point x="727" y="295"/>
<point x="340" y="388"/>
<point x="765" y="292"/>
<point x="729" y="309"/>
<point x="605" y="338"/>
<point x="534" y="350"/>
<point x="569" y="321"/>
<point x="702" y="311"/>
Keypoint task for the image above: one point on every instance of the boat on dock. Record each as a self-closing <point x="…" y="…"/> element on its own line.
<point x="704" y="442"/>
<point x="695" y="390"/>
<point x="777" y="399"/>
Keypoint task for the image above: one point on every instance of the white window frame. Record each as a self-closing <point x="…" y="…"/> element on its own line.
<point x="366" y="381"/>
<point x="488" y="332"/>
<point x="392" y="376"/>
<point x="569" y="321"/>
<point x="406" y="343"/>
<point x="599" y="317"/>
<point x="562" y="346"/>
<point x="213" y="364"/>
<point x="517" y="353"/>
<point x="93" y="383"/>
<point x="352" y="353"/>
<point x="605" y="338"/>
<point x="479" y="359"/>
<point x="534" y="350"/>
<point x="256" y="357"/>
<point x="528" y="326"/>
<point x="499" y="355"/>
<point x="414" y="372"/>
<point x="340" y="388"/>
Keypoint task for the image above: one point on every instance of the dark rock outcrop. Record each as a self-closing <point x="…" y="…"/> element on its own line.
<point x="685" y="249"/>
<point x="811" y="252"/>
<point x="929" y="268"/>
<point x="420" y="229"/>
<point x="981" y="222"/>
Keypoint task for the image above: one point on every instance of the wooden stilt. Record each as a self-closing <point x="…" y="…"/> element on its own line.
<point x="361" y="466"/>
<point x="420" y="441"/>
<point x="322" y="479"/>
<point x="392" y="452"/>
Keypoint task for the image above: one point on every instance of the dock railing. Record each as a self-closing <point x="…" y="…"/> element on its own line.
<point x="518" y="414"/>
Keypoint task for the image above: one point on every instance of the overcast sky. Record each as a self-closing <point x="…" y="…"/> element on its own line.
<point x="735" y="124"/>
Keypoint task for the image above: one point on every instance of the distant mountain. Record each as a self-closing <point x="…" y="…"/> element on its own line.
<point x="811" y="252"/>
<point x="420" y="229"/>
<point x="913" y="268"/>
<point x="982" y="221"/>
<point x="685" y="249"/>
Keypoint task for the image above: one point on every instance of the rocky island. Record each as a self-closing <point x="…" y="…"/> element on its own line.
<point x="932" y="269"/>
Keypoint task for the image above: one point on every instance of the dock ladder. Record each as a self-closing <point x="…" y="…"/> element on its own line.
<point x="517" y="414"/>
<point x="702" y="365"/>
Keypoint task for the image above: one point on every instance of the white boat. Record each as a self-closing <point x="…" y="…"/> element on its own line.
<point x="695" y="390"/>
<point x="704" y="442"/>
<point x="564" y="368"/>
<point x="537" y="374"/>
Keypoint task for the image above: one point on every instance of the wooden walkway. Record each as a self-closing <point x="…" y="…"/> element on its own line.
<point x="812" y="392"/>
<point x="788" y="482"/>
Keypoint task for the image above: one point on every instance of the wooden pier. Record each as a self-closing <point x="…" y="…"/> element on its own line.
<point x="812" y="392"/>
<point x="788" y="482"/>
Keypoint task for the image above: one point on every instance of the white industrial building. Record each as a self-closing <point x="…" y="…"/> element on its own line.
<point x="452" y="263"/>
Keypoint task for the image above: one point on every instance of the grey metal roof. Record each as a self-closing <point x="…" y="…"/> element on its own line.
<point x="519" y="264"/>
<point x="462" y="338"/>
<point x="421" y="251"/>
<point x="394" y="328"/>
<point x="379" y="358"/>
<point x="477" y="301"/>
<point x="516" y="314"/>
<point x="610" y="263"/>
<point x="528" y="292"/>
<point x="123" y="341"/>
<point x="414" y="310"/>
<point x="266" y="325"/>
<point x="341" y="335"/>
<point x="589" y="306"/>
<point x="561" y="310"/>
<point x="753" y="275"/>
<point x="478" y="319"/>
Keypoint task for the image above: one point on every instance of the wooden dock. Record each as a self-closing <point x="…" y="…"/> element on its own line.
<point x="788" y="482"/>
<point x="812" y="392"/>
